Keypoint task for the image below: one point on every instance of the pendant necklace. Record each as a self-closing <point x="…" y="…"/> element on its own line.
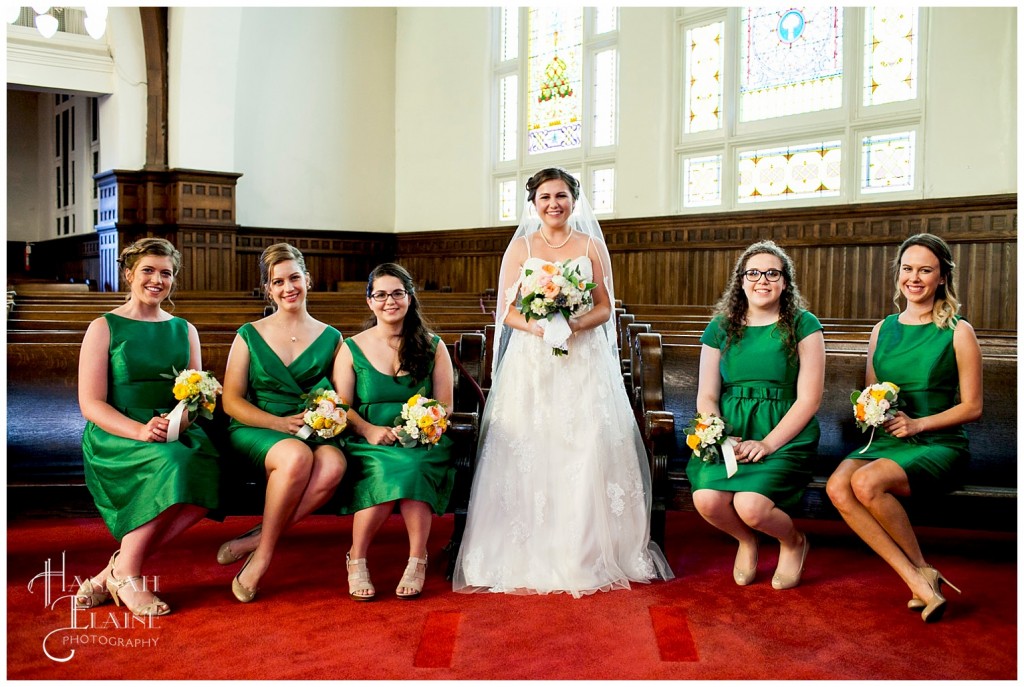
<point x="545" y="238"/>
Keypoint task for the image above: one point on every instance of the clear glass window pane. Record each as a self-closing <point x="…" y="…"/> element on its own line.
<point x="603" y="190"/>
<point x="887" y="162"/>
<point x="704" y="62"/>
<point x="509" y="33"/>
<point x="604" y="97"/>
<point x="508" y="117"/>
<point x="605" y="19"/>
<point x="555" y="79"/>
<point x="791" y="61"/>
<point x="791" y="172"/>
<point x="702" y="181"/>
<point x="507" y="200"/>
<point x="890" y="54"/>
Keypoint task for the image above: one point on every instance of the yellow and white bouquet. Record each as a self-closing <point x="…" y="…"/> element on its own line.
<point x="708" y="437"/>
<point x="555" y="293"/>
<point x="195" y="391"/>
<point x="874" y="406"/>
<point x="424" y="420"/>
<point x="326" y="414"/>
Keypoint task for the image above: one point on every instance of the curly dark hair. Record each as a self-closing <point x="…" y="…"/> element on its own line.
<point x="549" y="174"/>
<point x="732" y="306"/>
<point x="414" y="351"/>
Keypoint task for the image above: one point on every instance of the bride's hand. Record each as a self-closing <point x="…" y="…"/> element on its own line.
<point x="533" y="327"/>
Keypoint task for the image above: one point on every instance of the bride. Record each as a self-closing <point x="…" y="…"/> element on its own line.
<point x="560" y="500"/>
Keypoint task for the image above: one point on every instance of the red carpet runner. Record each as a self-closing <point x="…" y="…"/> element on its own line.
<point x="848" y="620"/>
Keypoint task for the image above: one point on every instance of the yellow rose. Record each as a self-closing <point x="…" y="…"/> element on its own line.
<point x="424" y="422"/>
<point x="328" y="423"/>
<point x="414" y="400"/>
<point x="210" y="406"/>
<point x="318" y="423"/>
<point x="895" y="389"/>
<point x="879" y="394"/>
<point x="181" y="391"/>
<point x="693" y="441"/>
<point x="195" y="378"/>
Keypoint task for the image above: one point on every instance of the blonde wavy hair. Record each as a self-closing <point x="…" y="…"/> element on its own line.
<point x="946" y="305"/>
<point x="276" y="254"/>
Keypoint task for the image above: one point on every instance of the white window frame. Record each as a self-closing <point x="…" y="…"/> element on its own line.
<point x="848" y="123"/>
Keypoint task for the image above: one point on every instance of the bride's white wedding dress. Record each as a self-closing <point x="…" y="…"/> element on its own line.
<point x="558" y="501"/>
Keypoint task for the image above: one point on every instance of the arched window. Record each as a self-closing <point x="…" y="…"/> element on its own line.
<point x="812" y="104"/>
<point x="556" y="104"/>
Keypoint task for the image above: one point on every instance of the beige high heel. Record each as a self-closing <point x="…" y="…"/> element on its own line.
<point x="90" y="595"/>
<point x="241" y="592"/>
<point x="413" y="578"/>
<point x="359" y="580"/>
<point x="741" y="576"/>
<point x="936" y="607"/>
<point x="226" y="555"/>
<point x="154" y="607"/>
<point x="780" y="581"/>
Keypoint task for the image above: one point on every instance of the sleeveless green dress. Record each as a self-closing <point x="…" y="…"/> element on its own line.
<point x="278" y="388"/>
<point x="920" y="360"/>
<point x="133" y="481"/>
<point x="379" y="474"/>
<point x="758" y="389"/>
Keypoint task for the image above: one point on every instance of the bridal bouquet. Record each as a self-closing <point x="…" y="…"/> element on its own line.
<point x="554" y="293"/>
<point x="707" y="436"/>
<point x="325" y="414"/>
<point x="874" y="406"/>
<point x="195" y="391"/>
<point x="423" y="421"/>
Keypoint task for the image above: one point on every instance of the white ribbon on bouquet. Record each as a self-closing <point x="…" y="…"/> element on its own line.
<point x="174" y="420"/>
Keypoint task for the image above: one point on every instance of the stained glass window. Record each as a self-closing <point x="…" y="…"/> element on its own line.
<point x="791" y="61"/>
<point x="507" y="200"/>
<point x="508" y="117"/>
<point x="799" y="171"/>
<point x="603" y="194"/>
<point x="887" y="162"/>
<point x="702" y="181"/>
<point x="605" y="83"/>
<point x="704" y="62"/>
<point x="890" y="54"/>
<point x="554" y="90"/>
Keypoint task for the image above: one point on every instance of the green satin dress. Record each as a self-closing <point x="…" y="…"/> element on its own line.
<point x="758" y="388"/>
<point x="133" y="481"/>
<point x="278" y="388"/>
<point x="379" y="474"/>
<point x="920" y="360"/>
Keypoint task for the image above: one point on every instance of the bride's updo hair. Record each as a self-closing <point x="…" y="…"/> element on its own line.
<point x="549" y="174"/>
<point x="414" y="351"/>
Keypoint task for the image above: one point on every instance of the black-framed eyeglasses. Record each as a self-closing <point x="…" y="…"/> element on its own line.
<point x="397" y="295"/>
<point x="770" y="275"/>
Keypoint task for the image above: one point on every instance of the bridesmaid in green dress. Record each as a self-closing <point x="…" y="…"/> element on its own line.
<point x="931" y="354"/>
<point x="762" y="370"/>
<point x="272" y="363"/>
<point x="380" y="369"/>
<point x="147" y="490"/>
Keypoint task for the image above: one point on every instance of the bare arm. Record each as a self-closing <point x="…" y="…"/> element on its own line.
<point x="93" y="366"/>
<point x="709" y="385"/>
<point x="968" y="363"/>
<point x="511" y="264"/>
<point x="443" y="380"/>
<point x="602" y="309"/>
<point x="869" y="373"/>
<point x="236" y="385"/>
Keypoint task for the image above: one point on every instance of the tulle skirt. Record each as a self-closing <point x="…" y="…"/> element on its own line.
<point x="561" y="495"/>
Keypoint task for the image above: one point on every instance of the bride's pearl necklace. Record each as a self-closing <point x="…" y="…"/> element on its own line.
<point x="548" y="243"/>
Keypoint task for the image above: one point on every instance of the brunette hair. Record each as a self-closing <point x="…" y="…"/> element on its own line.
<point x="732" y="306"/>
<point x="161" y="248"/>
<point x="414" y="351"/>
<point x="549" y="174"/>
<point x="274" y="255"/>
<point x="946" y="304"/>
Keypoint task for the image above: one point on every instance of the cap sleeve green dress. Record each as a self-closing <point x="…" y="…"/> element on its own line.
<point x="134" y="481"/>
<point x="278" y="388"/>
<point x="920" y="360"/>
<point x="758" y="388"/>
<point x="379" y="474"/>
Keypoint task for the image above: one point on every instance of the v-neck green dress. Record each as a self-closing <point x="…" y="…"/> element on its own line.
<point x="920" y="360"/>
<point x="758" y="389"/>
<point x="379" y="474"/>
<point x="278" y="388"/>
<point x="133" y="481"/>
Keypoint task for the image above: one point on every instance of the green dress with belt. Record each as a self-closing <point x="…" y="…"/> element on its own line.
<point x="920" y="360"/>
<point x="133" y="481"/>
<point x="759" y="384"/>
<point x="379" y="473"/>
<point x="278" y="389"/>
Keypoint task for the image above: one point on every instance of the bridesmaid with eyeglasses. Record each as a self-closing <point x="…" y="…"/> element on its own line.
<point x="762" y="370"/>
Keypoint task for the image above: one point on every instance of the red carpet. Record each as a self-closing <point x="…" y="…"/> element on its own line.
<point x="846" y="621"/>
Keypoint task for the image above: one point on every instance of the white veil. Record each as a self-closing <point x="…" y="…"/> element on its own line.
<point x="581" y="220"/>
